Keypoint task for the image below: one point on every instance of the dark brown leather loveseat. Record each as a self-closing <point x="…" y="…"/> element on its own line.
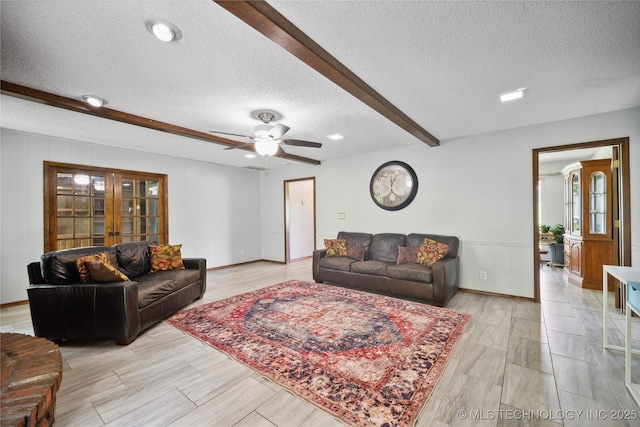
<point x="380" y="272"/>
<point x="63" y="307"/>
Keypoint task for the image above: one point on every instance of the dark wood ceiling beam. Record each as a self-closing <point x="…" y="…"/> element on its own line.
<point x="78" y="106"/>
<point x="265" y="19"/>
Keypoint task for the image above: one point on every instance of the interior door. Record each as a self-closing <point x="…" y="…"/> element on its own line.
<point x="88" y="206"/>
<point x="300" y="220"/>
<point x="138" y="210"/>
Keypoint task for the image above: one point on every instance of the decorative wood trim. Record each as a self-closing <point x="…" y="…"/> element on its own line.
<point x="268" y="21"/>
<point x="495" y="294"/>
<point x="78" y="106"/>
<point x="14" y="304"/>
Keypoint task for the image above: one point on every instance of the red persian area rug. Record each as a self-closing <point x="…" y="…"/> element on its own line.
<point x="367" y="359"/>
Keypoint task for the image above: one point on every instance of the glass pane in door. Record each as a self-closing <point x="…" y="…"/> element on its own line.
<point x="576" y="209"/>
<point x="597" y="203"/>
<point x="140" y="213"/>
<point x="79" y="210"/>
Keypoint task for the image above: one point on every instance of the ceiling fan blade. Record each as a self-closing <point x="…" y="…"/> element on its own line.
<point x="232" y="134"/>
<point x="280" y="151"/>
<point x="277" y="131"/>
<point x="299" y="143"/>
<point x="244" y="144"/>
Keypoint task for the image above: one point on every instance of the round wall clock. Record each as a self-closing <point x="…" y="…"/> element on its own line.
<point x="393" y="185"/>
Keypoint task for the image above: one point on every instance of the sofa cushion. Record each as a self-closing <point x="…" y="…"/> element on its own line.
<point x="416" y="240"/>
<point x="341" y="263"/>
<point x="59" y="267"/>
<point x="357" y="240"/>
<point x="431" y="251"/>
<point x="412" y="272"/>
<point x="134" y="259"/>
<point x="384" y="247"/>
<point x="335" y="247"/>
<point x="166" y="257"/>
<point x="103" y="272"/>
<point x="83" y="269"/>
<point x="377" y="268"/>
<point x="152" y="287"/>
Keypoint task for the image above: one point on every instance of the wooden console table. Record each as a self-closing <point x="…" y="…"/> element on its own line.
<point x="31" y="376"/>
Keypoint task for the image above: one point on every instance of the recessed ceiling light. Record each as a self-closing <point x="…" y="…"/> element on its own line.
<point x="250" y="156"/>
<point x="163" y="30"/>
<point x="94" y="100"/>
<point x="510" y="96"/>
<point x="335" y="137"/>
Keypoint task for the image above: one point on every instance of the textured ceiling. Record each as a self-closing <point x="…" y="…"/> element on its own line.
<point x="441" y="63"/>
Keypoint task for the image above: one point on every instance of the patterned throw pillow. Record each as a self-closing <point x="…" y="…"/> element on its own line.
<point x="356" y="253"/>
<point x="431" y="251"/>
<point x="407" y="255"/>
<point x="166" y="257"/>
<point x="104" y="272"/>
<point x="83" y="272"/>
<point x="336" y="247"/>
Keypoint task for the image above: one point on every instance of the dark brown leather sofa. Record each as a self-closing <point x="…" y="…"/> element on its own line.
<point x="64" y="308"/>
<point x="379" y="271"/>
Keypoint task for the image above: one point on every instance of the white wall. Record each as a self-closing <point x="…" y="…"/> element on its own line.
<point x="478" y="188"/>
<point x="214" y="210"/>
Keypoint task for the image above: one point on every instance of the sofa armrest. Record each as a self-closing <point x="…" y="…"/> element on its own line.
<point x="85" y="311"/>
<point x="198" y="264"/>
<point x="445" y="280"/>
<point x="34" y="269"/>
<point x="318" y="254"/>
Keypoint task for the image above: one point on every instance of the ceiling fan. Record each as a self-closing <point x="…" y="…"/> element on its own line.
<point x="267" y="138"/>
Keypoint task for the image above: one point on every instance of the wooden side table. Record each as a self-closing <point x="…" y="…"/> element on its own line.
<point x="31" y="375"/>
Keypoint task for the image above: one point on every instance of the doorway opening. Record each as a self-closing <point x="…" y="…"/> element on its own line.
<point x="620" y="191"/>
<point x="299" y="218"/>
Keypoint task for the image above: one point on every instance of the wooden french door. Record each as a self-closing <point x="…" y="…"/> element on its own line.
<point x="90" y="206"/>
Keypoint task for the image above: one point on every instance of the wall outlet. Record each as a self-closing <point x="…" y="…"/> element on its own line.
<point x="342" y="215"/>
<point x="241" y="252"/>
<point x="483" y="275"/>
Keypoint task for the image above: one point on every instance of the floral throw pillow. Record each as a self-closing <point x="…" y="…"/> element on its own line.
<point x="166" y="257"/>
<point x="407" y="255"/>
<point x="336" y="247"/>
<point x="83" y="272"/>
<point x="104" y="272"/>
<point x="431" y="251"/>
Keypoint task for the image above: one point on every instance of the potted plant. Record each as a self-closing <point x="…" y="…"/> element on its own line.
<point x="556" y="249"/>
<point x="545" y="235"/>
<point x="558" y="233"/>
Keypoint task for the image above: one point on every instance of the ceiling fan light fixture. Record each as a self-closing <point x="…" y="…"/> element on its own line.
<point x="262" y="131"/>
<point x="163" y="30"/>
<point x="94" y="100"/>
<point x="266" y="147"/>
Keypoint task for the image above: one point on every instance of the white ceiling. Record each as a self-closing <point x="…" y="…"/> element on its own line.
<point x="442" y="63"/>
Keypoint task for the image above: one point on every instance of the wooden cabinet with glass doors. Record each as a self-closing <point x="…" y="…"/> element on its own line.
<point x="588" y="242"/>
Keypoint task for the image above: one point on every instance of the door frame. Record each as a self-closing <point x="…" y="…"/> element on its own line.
<point x="622" y="194"/>
<point x="287" y="224"/>
<point x="112" y="203"/>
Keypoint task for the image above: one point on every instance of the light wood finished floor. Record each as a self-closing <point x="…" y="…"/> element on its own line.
<point x="518" y="363"/>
